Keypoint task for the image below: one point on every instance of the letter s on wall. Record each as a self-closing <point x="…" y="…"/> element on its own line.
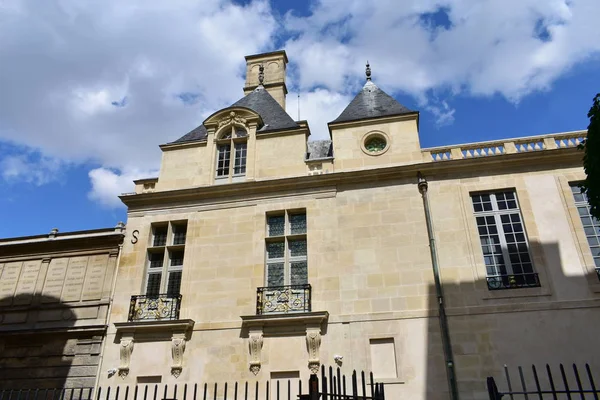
<point x="135" y="238"/>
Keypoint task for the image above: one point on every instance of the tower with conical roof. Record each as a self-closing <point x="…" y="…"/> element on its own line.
<point x="374" y="130"/>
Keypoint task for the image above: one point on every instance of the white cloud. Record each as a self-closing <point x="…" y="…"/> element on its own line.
<point x="320" y="106"/>
<point x="491" y="46"/>
<point x="30" y="167"/>
<point x="108" y="184"/>
<point x="168" y="64"/>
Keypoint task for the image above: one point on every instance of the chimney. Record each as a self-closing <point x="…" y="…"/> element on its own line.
<point x="274" y="78"/>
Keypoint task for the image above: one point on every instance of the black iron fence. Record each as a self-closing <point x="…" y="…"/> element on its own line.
<point x="154" y="307"/>
<point x="330" y="384"/>
<point x="514" y="281"/>
<point x="283" y="299"/>
<point x="545" y="385"/>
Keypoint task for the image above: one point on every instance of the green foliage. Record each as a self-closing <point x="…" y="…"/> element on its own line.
<point x="591" y="159"/>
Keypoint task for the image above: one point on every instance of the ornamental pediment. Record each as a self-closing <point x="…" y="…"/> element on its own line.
<point x="240" y="116"/>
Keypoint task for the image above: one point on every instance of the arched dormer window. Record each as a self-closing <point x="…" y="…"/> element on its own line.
<point x="232" y="143"/>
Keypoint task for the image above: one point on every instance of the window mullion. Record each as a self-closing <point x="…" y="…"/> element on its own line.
<point x="503" y="244"/>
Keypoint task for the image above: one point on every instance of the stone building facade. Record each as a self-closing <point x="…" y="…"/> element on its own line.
<point x="55" y="292"/>
<point x="259" y="255"/>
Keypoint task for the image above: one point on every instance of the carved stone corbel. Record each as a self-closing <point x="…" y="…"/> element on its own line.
<point x="125" y="350"/>
<point x="255" y="343"/>
<point x="313" y="343"/>
<point x="177" y="349"/>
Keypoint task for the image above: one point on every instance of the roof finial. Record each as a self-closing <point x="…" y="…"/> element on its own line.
<point x="261" y="74"/>
<point x="368" y="71"/>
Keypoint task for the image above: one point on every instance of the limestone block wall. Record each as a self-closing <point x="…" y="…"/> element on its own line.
<point x="280" y="155"/>
<point x="186" y="166"/>
<point x="370" y="268"/>
<point x="402" y="137"/>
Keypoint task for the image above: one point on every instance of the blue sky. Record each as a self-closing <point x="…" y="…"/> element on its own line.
<point x="90" y="89"/>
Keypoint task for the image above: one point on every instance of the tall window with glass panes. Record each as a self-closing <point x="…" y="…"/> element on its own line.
<point x="165" y="259"/>
<point x="591" y="225"/>
<point x="503" y="240"/>
<point x="286" y="250"/>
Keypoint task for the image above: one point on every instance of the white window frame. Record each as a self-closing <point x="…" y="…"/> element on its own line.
<point x="167" y="249"/>
<point x="286" y="238"/>
<point x="580" y="204"/>
<point x="232" y="142"/>
<point x="497" y="214"/>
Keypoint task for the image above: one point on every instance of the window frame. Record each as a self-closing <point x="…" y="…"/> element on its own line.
<point x="583" y="203"/>
<point x="232" y="138"/>
<point x="286" y="238"/>
<point x="512" y="278"/>
<point x="166" y="250"/>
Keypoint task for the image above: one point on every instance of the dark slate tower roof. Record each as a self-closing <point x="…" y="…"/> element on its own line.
<point x="272" y="114"/>
<point x="259" y="101"/>
<point x="371" y="102"/>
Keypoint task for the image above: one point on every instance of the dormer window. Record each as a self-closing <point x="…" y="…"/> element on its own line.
<point x="231" y="145"/>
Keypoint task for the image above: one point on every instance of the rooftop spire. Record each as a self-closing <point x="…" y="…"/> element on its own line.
<point x="261" y="74"/>
<point x="368" y="71"/>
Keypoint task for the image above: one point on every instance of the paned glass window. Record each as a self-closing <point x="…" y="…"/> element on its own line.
<point x="276" y="225"/>
<point x="286" y="249"/>
<point x="165" y="264"/>
<point x="160" y="236"/>
<point x="503" y="240"/>
<point x="232" y="140"/>
<point x="179" y="234"/>
<point x="591" y="226"/>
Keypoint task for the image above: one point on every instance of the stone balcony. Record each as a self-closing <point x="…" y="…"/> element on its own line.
<point x="505" y="146"/>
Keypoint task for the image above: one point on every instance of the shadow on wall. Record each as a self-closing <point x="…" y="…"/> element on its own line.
<point x="552" y="324"/>
<point x="36" y="347"/>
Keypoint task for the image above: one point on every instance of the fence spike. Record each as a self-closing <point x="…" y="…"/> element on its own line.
<point x="215" y="392"/>
<point x="266" y="390"/>
<point x="523" y="383"/>
<point x="135" y="392"/>
<point x="565" y="382"/>
<point x="225" y="392"/>
<point x="591" y="379"/>
<point x="165" y="392"/>
<point x="175" y="391"/>
<point x="235" y="391"/>
<point x="578" y="380"/>
<point x="126" y="392"/>
<point x="184" y="391"/>
<point x="256" y="392"/>
<point x="205" y="390"/>
<point x="363" y="384"/>
<point x="551" y="381"/>
<point x="107" y="393"/>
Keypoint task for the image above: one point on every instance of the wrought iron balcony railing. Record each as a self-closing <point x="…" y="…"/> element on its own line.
<point x="514" y="281"/>
<point x="283" y="299"/>
<point x="154" y="307"/>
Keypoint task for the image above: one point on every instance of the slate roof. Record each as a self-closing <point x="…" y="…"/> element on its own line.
<point x="259" y="101"/>
<point x="371" y="102"/>
<point x="319" y="149"/>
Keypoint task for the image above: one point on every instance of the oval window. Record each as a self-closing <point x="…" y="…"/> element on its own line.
<point x="375" y="144"/>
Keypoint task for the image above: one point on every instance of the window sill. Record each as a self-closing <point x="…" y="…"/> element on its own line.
<point x="511" y="293"/>
<point x="167" y="327"/>
<point x="282" y="324"/>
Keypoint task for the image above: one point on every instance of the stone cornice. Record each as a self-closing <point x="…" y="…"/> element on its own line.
<point x="441" y="170"/>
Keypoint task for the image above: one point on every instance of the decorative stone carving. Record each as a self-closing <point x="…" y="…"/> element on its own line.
<point x="126" y="347"/>
<point x="232" y="118"/>
<point x="177" y="349"/>
<point x="313" y="343"/>
<point x="255" y="341"/>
